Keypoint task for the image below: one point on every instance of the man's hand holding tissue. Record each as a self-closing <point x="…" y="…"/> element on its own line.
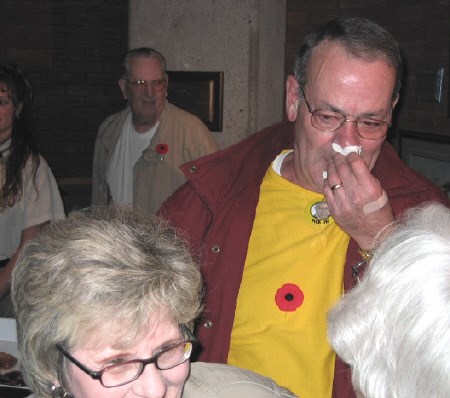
<point x="359" y="204"/>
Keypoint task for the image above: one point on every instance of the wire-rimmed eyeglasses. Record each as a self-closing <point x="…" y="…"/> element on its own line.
<point x="156" y="85"/>
<point x="329" y="121"/>
<point x="125" y="372"/>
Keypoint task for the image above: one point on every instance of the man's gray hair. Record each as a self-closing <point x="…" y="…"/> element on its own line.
<point x="98" y="274"/>
<point x="143" y="52"/>
<point x="362" y="38"/>
<point x="393" y="328"/>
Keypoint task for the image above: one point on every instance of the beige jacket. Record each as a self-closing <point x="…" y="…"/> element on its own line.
<point x="209" y="380"/>
<point x="155" y="175"/>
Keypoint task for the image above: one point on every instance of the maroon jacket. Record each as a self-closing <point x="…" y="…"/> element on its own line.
<point x="216" y="208"/>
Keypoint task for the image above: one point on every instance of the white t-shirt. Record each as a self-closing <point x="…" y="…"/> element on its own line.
<point x="128" y="149"/>
<point x="33" y="208"/>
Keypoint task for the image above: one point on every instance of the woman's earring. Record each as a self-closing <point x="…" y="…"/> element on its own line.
<point x="58" y="392"/>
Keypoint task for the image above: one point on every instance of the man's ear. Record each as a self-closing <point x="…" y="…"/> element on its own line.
<point x="395" y="101"/>
<point x="123" y="88"/>
<point x="167" y="84"/>
<point x="291" y="98"/>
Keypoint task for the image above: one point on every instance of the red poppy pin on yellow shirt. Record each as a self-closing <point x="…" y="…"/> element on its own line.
<point x="289" y="297"/>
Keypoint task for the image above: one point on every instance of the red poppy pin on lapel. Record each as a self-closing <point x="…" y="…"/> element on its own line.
<point x="162" y="148"/>
<point x="289" y="297"/>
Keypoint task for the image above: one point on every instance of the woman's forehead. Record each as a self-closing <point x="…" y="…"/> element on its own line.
<point x="125" y="333"/>
<point x="114" y="333"/>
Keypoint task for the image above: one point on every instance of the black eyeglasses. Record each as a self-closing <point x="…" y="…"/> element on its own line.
<point x="329" y="121"/>
<point x="125" y="372"/>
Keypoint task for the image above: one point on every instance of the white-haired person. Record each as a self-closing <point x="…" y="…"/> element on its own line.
<point x="393" y="328"/>
<point x="105" y="303"/>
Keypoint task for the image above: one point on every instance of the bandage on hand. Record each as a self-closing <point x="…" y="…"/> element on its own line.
<point x="376" y="204"/>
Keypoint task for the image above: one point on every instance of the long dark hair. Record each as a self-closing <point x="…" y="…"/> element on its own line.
<point x="23" y="146"/>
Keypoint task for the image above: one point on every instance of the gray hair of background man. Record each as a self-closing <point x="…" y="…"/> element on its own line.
<point x="98" y="273"/>
<point x="361" y="37"/>
<point x="393" y="328"/>
<point x="143" y="52"/>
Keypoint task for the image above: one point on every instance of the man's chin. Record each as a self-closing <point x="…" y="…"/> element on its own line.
<point x="145" y="120"/>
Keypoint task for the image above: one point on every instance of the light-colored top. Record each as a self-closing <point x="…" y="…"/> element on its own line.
<point x="279" y="327"/>
<point x="180" y="138"/>
<point x="209" y="380"/>
<point x="128" y="150"/>
<point x="33" y="208"/>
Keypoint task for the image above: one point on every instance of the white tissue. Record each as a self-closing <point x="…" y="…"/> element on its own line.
<point x="348" y="149"/>
<point x="324" y="174"/>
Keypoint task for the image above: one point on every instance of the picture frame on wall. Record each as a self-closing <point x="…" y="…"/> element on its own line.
<point x="200" y="93"/>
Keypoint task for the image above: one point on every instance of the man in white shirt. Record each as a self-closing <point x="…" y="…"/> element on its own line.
<point x="138" y="151"/>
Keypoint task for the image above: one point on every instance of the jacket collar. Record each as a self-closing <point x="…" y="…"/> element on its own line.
<point x="242" y="166"/>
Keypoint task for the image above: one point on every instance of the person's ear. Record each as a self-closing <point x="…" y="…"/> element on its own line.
<point x="123" y="88"/>
<point x="57" y="390"/>
<point x="395" y="101"/>
<point x="167" y="84"/>
<point x="291" y="98"/>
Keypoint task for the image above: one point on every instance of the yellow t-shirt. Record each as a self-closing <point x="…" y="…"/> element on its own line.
<point x="293" y="274"/>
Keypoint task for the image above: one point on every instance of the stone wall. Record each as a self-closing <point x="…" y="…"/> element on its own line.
<point x="242" y="38"/>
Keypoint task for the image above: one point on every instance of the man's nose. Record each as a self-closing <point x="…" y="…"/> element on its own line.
<point x="347" y="134"/>
<point x="149" y="90"/>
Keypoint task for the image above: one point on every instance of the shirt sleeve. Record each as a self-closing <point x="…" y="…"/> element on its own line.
<point x="45" y="203"/>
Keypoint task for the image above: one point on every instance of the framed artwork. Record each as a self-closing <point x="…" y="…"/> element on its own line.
<point x="200" y="93"/>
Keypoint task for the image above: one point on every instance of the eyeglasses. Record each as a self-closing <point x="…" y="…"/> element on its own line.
<point x="156" y="85"/>
<point x="125" y="372"/>
<point x="329" y="121"/>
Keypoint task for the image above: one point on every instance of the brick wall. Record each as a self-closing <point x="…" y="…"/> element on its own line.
<point x="422" y="29"/>
<point x="71" y="52"/>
